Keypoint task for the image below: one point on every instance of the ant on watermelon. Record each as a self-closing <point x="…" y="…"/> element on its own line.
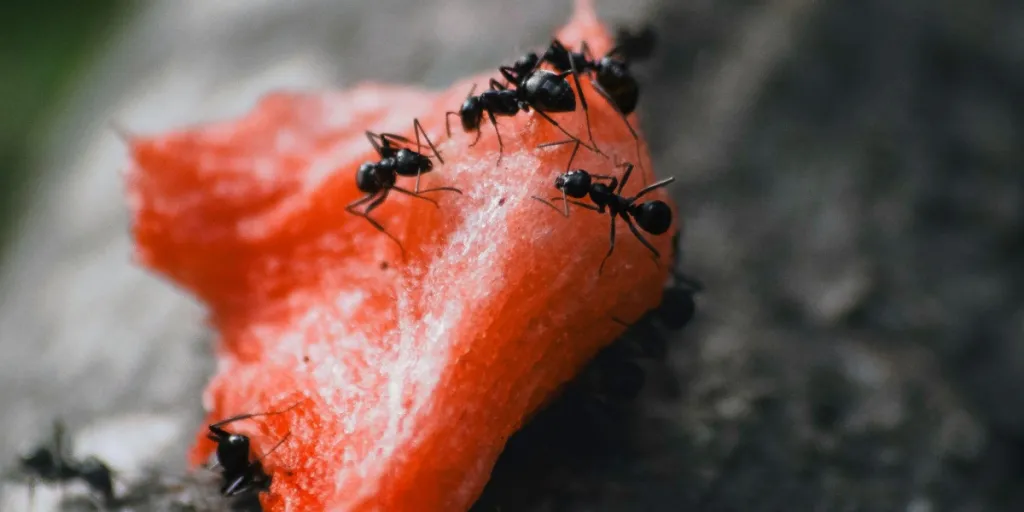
<point x="378" y="179"/>
<point x="654" y="217"/>
<point x="528" y="88"/>
<point x="610" y="76"/>
<point x="241" y="474"/>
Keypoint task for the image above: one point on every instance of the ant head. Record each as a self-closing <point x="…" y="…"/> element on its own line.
<point x="549" y="92"/>
<point x="237" y="442"/>
<point x="366" y="178"/>
<point x="233" y="451"/>
<point x="575" y="183"/>
<point x="655" y="217"/>
<point x="471" y="113"/>
<point x="614" y="77"/>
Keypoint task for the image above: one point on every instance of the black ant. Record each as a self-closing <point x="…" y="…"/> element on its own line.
<point x="611" y="76"/>
<point x="377" y="179"/>
<point x="240" y="473"/>
<point x="529" y="88"/>
<point x="614" y="80"/>
<point x="51" y="463"/>
<point x="654" y="217"/>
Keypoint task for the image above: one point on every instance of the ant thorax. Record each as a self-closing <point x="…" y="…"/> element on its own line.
<point x="410" y="163"/>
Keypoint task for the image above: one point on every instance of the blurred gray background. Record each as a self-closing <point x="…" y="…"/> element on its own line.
<point x="850" y="179"/>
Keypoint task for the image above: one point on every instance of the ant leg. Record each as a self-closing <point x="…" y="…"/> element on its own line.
<point x="556" y="125"/>
<point x="636" y="138"/>
<point x="501" y="145"/>
<point x="436" y="189"/>
<point x="413" y="194"/>
<point x="639" y="236"/>
<point x="373" y="138"/>
<point x="583" y="101"/>
<point x="611" y="247"/>
<point x="497" y="86"/>
<point x="556" y="143"/>
<point x="419" y="129"/>
<point x="507" y="74"/>
<point x="621" y="322"/>
<point x="559" y="143"/>
<point x="235" y="487"/>
<point x="386" y="137"/>
<point x="585" y="50"/>
<point x="296" y="404"/>
<point x="625" y="177"/>
<point x="366" y="215"/>
<point x="625" y="119"/>
<point x="663" y="183"/>
<point x="585" y="205"/>
<point x="564" y="214"/>
<point x="448" y="121"/>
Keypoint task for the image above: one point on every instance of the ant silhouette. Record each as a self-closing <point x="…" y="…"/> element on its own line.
<point x="654" y="217"/>
<point x="240" y="473"/>
<point x="678" y="307"/>
<point x="610" y="76"/>
<point x="528" y="88"/>
<point x="378" y="179"/>
<point x="51" y="463"/>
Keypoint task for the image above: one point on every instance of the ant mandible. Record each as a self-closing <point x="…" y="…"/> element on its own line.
<point x="654" y="217"/>
<point x="529" y="88"/>
<point x="378" y="179"/>
<point x="610" y="76"/>
<point x="240" y="473"/>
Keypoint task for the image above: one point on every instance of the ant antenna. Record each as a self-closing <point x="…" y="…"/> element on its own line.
<point x="241" y="417"/>
<point x="565" y="200"/>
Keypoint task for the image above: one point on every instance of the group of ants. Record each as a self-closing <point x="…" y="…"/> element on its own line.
<point x="529" y="87"/>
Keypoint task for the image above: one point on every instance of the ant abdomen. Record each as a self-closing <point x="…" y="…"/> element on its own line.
<point x="615" y="78"/>
<point x="655" y="217"/>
